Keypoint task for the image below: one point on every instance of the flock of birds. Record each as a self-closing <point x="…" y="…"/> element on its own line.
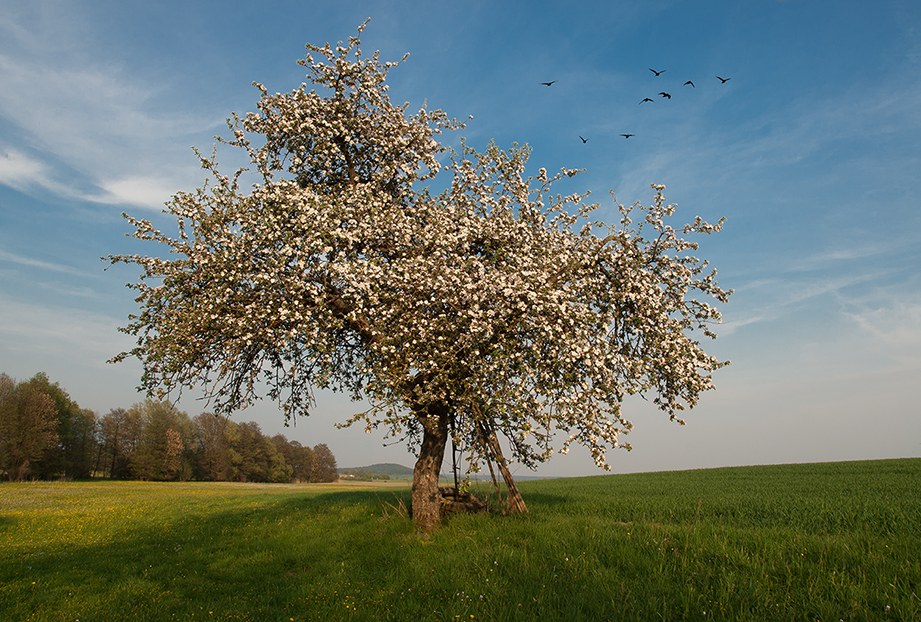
<point x="663" y="94"/>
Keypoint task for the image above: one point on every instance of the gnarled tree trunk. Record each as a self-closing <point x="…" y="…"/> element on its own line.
<point x="426" y="497"/>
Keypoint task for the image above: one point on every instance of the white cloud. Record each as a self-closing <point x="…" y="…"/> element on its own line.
<point x="24" y="173"/>
<point x="151" y="192"/>
<point x="18" y="170"/>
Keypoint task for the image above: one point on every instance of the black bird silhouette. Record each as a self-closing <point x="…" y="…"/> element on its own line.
<point x="548" y="83"/>
<point x="665" y="95"/>
<point x="658" y="73"/>
<point x="724" y="80"/>
<point x="647" y="100"/>
<point x="689" y="82"/>
<point x="628" y="135"/>
<point x="584" y="140"/>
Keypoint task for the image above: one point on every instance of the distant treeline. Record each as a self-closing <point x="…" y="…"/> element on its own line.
<point x="46" y="435"/>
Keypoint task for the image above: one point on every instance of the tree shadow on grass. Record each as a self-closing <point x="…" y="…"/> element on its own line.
<point x="257" y="562"/>
<point x="293" y="556"/>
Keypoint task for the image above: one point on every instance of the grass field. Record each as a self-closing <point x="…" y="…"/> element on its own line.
<point x="827" y="542"/>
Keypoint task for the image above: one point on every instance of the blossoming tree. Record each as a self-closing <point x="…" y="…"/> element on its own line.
<point x="494" y="309"/>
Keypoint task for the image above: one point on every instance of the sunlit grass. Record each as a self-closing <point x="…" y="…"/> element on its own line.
<point x="800" y="542"/>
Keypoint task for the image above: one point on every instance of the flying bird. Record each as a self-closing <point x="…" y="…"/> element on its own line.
<point x="658" y="73"/>
<point x="689" y="82"/>
<point x="647" y="100"/>
<point x="548" y="83"/>
<point x="724" y="80"/>
<point x="584" y="140"/>
<point x="628" y="135"/>
<point x="665" y="95"/>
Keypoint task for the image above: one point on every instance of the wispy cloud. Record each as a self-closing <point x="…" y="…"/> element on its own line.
<point x="109" y="127"/>
<point x="24" y="173"/>
<point x="42" y="331"/>
<point x="28" y="174"/>
<point x="44" y="265"/>
<point x="767" y="300"/>
<point x="869" y="115"/>
<point x="891" y="320"/>
<point x="850" y="126"/>
<point x="19" y="171"/>
<point x="150" y="192"/>
<point x="61" y="290"/>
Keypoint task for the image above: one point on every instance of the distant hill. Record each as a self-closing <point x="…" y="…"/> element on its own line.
<point x="389" y="468"/>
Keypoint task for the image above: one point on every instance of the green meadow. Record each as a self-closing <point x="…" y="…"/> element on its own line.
<point x="836" y="541"/>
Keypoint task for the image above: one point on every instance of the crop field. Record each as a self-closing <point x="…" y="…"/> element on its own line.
<point x="828" y="542"/>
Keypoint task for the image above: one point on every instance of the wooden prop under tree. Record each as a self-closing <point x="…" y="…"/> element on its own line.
<point x="488" y="449"/>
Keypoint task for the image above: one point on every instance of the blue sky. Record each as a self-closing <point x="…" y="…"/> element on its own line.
<point x="810" y="150"/>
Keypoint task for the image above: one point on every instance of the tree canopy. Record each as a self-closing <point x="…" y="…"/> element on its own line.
<point x="28" y="425"/>
<point x="494" y="307"/>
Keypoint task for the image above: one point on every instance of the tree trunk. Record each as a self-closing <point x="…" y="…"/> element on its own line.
<point x="514" y="500"/>
<point x="21" y="472"/>
<point x="426" y="498"/>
